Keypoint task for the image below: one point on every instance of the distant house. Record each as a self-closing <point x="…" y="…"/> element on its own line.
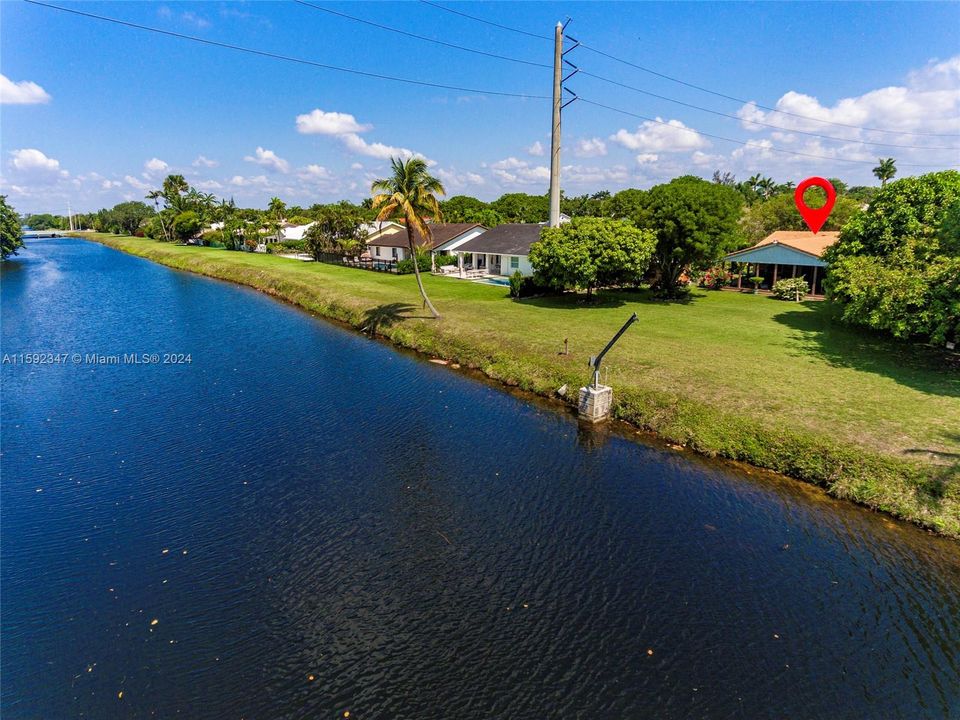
<point x="293" y="232"/>
<point x="392" y="244"/>
<point x="499" y="251"/>
<point x="788" y="254"/>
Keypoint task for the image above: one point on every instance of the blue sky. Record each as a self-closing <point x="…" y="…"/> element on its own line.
<point x="96" y="113"/>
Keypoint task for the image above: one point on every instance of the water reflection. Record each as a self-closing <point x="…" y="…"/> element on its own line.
<point x="303" y="503"/>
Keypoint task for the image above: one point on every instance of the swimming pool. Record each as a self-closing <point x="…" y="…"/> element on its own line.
<point x="495" y="281"/>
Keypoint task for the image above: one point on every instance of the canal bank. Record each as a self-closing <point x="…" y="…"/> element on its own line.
<point x="833" y="456"/>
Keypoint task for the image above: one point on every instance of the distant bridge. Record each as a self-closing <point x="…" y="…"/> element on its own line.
<point x="34" y="234"/>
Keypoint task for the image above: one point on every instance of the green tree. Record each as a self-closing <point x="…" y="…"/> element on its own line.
<point x="949" y="234"/>
<point x="913" y="207"/>
<point x="522" y="208"/>
<point x="127" y="217"/>
<point x="587" y="253"/>
<point x="625" y="205"/>
<point x="896" y="266"/>
<point x="780" y="213"/>
<point x="11" y="238"/>
<point x="696" y="224"/>
<point x="410" y="195"/>
<point x="458" y="207"/>
<point x="336" y="229"/>
<point x="839" y="185"/>
<point x="885" y="170"/>
<point x="186" y="225"/>
<point x="44" y="221"/>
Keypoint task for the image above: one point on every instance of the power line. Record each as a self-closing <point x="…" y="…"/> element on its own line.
<point x="684" y="82"/>
<point x="286" y="58"/>
<point x="757" y="122"/>
<point x="756" y="104"/>
<point x="746" y="143"/>
<point x="487" y="22"/>
<point x="610" y="81"/>
<point x="422" y="37"/>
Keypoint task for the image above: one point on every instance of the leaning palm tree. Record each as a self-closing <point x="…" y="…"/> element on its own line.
<point x="885" y="170"/>
<point x="410" y="196"/>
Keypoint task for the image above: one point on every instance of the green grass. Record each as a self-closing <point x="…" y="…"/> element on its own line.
<point x="779" y="385"/>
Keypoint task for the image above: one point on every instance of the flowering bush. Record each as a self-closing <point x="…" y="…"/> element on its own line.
<point x="791" y="289"/>
<point x="715" y="278"/>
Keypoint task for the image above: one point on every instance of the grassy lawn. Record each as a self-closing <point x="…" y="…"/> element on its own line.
<point x="780" y="385"/>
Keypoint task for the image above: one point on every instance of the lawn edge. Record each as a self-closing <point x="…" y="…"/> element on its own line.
<point x="921" y="494"/>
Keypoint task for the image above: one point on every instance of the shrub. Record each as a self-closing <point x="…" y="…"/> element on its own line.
<point x="186" y="225"/>
<point x="405" y="266"/>
<point x="287" y="246"/>
<point x="791" y="289"/>
<point x="442" y="260"/>
<point x="516" y="282"/>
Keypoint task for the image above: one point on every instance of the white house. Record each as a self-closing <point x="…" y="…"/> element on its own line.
<point x="393" y="244"/>
<point x="293" y="232"/>
<point x="499" y="251"/>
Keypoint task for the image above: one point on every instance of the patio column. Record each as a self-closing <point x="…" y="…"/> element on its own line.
<point x="460" y="263"/>
<point x="813" y="288"/>
<point x="775" y="266"/>
<point x="794" y="271"/>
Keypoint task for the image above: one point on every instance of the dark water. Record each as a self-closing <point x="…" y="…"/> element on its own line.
<point x="299" y="501"/>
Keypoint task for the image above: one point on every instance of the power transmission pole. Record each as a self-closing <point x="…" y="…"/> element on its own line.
<point x="555" y="135"/>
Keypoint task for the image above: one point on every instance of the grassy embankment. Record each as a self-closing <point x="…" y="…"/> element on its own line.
<point x="775" y="384"/>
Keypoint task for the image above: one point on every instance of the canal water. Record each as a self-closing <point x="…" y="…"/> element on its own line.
<point x="300" y="522"/>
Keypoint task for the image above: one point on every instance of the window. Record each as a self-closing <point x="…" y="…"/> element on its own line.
<point x="514" y="262"/>
<point x="376" y="250"/>
<point x="393" y="252"/>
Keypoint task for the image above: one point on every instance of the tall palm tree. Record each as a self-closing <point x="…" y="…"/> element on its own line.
<point x="885" y="170"/>
<point x="174" y="186"/>
<point x="409" y="194"/>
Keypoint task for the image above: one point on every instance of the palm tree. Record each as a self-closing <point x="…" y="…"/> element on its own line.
<point x="766" y="187"/>
<point x="885" y="170"/>
<point x="410" y="195"/>
<point x="173" y="188"/>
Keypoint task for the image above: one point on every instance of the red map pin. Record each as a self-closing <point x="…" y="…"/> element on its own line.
<point x="815" y="217"/>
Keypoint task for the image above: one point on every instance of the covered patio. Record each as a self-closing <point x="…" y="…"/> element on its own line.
<point x="785" y="254"/>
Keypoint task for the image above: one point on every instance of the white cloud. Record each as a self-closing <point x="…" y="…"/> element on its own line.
<point x="660" y="136"/>
<point x="135" y="183"/>
<point x="581" y="174"/>
<point x="31" y="166"/>
<point x="32" y="161"/>
<point x="377" y="150"/>
<point x="204" y="161"/>
<point x="241" y="181"/>
<point x="318" y="122"/>
<point x="454" y="180"/>
<point x="929" y="102"/>
<point x="315" y="172"/>
<point x="513" y="171"/>
<point x="208" y="185"/>
<point x="345" y="128"/>
<point x="536" y="149"/>
<point x="592" y="147"/>
<point x="356" y="166"/>
<point x="109" y="184"/>
<point x="194" y="19"/>
<point x="646" y="158"/>
<point x="155" y="165"/>
<point x="24" y="92"/>
<point x="268" y="158"/>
